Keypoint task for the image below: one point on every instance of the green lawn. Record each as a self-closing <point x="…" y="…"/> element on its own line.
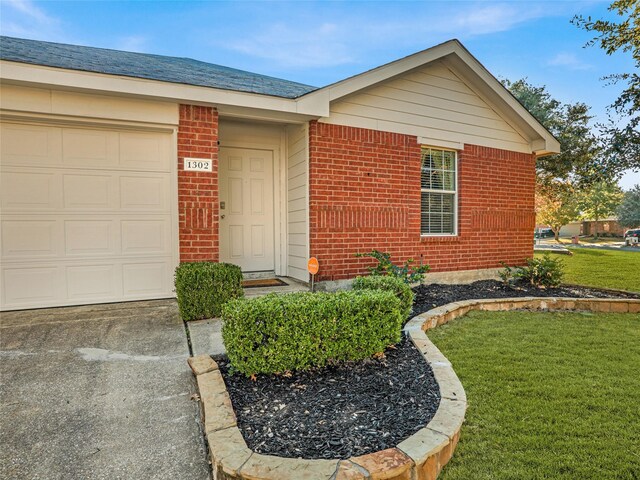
<point x="551" y="395"/>
<point x="603" y="268"/>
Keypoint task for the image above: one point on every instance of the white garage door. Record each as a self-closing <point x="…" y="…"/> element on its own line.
<point x="86" y="215"/>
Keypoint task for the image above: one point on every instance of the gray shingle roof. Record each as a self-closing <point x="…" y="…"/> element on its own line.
<point x="142" y="65"/>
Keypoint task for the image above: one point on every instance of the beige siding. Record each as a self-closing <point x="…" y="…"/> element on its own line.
<point x="431" y="103"/>
<point x="58" y="102"/>
<point x="297" y="201"/>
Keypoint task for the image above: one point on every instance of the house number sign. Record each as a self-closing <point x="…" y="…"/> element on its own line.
<point x="197" y="165"/>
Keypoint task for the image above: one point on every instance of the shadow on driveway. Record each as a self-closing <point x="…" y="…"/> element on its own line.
<point x="98" y="392"/>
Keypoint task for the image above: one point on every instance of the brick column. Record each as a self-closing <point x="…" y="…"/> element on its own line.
<point x="198" y="191"/>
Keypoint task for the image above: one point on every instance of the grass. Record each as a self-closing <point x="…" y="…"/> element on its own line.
<point x="550" y="395"/>
<point x="603" y="268"/>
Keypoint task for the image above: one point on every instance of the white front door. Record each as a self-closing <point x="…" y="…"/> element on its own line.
<point x="246" y="208"/>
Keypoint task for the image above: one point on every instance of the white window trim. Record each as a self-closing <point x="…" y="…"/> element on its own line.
<point x="455" y="194"/>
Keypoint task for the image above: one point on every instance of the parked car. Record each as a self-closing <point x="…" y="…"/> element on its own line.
<point x="632" y="237"/>
<point x="544" y="233"/>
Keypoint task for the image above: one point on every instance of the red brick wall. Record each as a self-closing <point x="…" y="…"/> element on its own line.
<point x="198" y="191"/>
<point x="365" y="194"/>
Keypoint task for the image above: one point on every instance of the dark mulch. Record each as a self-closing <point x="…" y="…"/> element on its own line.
<point x="339" y="411"/>
<point x="435" y="295"/>
<point x="359" y="407"/>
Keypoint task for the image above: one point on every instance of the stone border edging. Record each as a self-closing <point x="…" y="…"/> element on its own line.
<point x="420" y="457"/>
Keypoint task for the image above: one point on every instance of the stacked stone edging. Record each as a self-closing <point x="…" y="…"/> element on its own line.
<point x="420" y="457"/>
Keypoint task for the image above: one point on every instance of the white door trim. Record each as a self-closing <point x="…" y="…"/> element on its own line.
<point x="278" y="214"/>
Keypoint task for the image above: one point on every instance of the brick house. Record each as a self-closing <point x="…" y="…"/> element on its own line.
<point x="118" y="165"/>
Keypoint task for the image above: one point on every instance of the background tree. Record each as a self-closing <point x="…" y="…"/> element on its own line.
<point x="556" y="205"/>
<point x="569" y="123"/>
<point x="599" y="201"/>
<point x="622" y="142"/>
<point x="629" y="210"/>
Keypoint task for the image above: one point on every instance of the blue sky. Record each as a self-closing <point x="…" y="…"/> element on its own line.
<point x="321" y="42"/>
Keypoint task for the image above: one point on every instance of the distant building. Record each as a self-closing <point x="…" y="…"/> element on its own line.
<point x="607" y="226"/>
<point x="571" y="229"/>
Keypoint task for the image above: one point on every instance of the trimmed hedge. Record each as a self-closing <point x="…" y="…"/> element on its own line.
<point x="396" y="285"/>
<point x="204" y="287"/>
<point x="298" y="331"/>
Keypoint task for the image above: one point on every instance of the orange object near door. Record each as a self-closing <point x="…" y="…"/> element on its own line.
<point x="313" y="266"/>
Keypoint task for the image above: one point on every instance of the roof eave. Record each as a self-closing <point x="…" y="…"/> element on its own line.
<point x="40" y="76"/>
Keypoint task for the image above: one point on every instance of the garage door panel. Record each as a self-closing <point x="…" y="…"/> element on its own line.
<point x="90" y="192"/>
<point x="93" y="282"/>
<point x="144" y="193"/>
<point x="142" y="279"/>
<point x="30" y="145"/>
<point x="90" y="148"/>
<point x="146" y="151"/>
<point x="29" y="239"/>
<point x="86" y="215"/>
<point x="30" y="191"/>
<point x="150" y="236"/>
<point x="34" y="286"/>
<point x="90" y="237"/>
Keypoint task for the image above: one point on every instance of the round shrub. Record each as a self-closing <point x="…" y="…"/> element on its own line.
<point x="203" y="288"/>
<point x="378" y="282"/>
<point x="298" y="331"/>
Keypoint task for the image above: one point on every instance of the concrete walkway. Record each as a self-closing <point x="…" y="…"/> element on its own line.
<point x="98" y="392"/>
<point x="610" y="246"/>
<point x="551" y="247"/>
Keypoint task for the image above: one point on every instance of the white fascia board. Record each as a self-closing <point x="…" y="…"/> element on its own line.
<point x="540" y="148"/>
<point x="232" y="111"/>
<point x="316" y="105"/>
<point x="88" y="82"/>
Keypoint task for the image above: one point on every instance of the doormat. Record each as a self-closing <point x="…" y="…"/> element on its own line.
<point x="264" y="282"/>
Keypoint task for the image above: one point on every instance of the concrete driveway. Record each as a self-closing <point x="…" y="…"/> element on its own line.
<point x="98" y="392"/>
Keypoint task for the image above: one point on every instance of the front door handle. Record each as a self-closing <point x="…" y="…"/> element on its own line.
<point x="222" y="217"/>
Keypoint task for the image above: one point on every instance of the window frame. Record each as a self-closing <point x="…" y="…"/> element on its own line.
<point x="431" y="190"/>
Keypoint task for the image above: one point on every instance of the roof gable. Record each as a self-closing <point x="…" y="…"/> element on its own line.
<point x="432" y="103"/>
<point x="470" y="71"/>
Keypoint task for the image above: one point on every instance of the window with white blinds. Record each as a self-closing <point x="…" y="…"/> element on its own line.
<point x="438" y="185"/>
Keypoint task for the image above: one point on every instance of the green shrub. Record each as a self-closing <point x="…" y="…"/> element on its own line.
<point x="204" y="287"/>
<point x="298" y="331"/>
<point x="507" y="274"/>
<point x="406" y="273"/>
<point x="401" y="289"/>
<point x="542" y="272"/>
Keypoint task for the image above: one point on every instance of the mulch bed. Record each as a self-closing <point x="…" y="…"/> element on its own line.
<point x="436" y="294"/>
<point x="338" y="411"/>
<point x="356" y="408"/>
